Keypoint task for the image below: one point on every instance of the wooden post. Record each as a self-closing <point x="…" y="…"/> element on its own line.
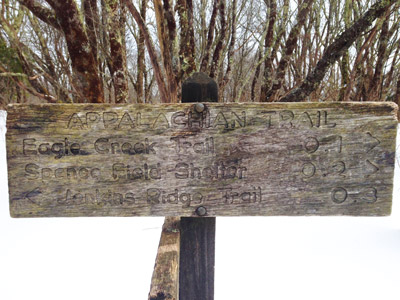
<point x="197" y="257"/>
<point x="165" y="280"/>
<point x="193" y="240"/>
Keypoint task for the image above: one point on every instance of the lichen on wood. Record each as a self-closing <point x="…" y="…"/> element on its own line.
<point x="229" y="159"/>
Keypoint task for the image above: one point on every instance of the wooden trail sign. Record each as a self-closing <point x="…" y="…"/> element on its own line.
<point x="201" y="159"/>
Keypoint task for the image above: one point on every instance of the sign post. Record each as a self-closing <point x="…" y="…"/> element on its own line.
<point x="197" y="161"/>
<point x="197" y="244"/>
<point x="230" y="160"/>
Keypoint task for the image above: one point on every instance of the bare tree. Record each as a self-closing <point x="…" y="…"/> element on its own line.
<point x="124" y="51"/>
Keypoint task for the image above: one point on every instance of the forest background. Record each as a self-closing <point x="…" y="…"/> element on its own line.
<point x="141" y="51"/>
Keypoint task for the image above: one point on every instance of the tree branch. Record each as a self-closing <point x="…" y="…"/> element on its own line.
<point x="187" y="42"/>
<point x="92" y="20"/>
<point x="43" y="13"/>
<point x="141" y="56"/>
<point x="290" y="46"/>
<point x="336" y="50"/>
<point x="210" y="37"/>
<point x="220" y="44"/>
<point x="116" y="34"/>
<point x="83" y="61"/>
<point x="231" y="47"/>
<point x="150" y="48"/>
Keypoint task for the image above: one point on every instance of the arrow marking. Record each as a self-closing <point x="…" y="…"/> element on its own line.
<point x="373" y="168"/>
<point x="35" y="192"/>
<point x="373" y="144"/>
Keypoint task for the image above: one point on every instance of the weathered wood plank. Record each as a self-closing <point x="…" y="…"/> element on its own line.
<point x="165" y="280"/>
<point x="231" y="159"/>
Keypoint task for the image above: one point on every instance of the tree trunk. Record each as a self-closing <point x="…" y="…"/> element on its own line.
<point x="86" y="76"/>
<point x="166" y="29"/>
<point x="334" y="51"/>
<point x="152" y="53"/>
<point x="288" y="51"/>
<point x="344" y="65"/>
<point x="231" y="47"/>
<point x="218" y="48"/>
<point x="187" y="51"/>
<point x="255" y="78"/>
<point x="92" y="21"/>
<point x="374" y="88"/>
<point x="267" y="80"/>
<point x="141" y="56"/>
<point x="116" y="34"/>
<point x="210" y="37"/>
<point x="43" y="13"/>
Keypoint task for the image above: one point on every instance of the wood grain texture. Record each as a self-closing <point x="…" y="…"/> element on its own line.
<point x="197" y="258"/>
<point x="231" y="159"/>
<point x="165" y="280"/>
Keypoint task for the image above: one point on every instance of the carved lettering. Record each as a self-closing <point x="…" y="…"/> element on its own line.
<point x="220" y="120"/>
<point x="231" y="159"/>
<point x="75" y="122"/>
<point x="339" y="168"/>
<point x="216" y="172"/>
<point x="339" y="195"/>
<point x="105" y="146"/>
<point x="311" y="145"/>
<point x="110" y="119"/>
<point x="204" y="147"/>
<point x="121" y="171"/>
<point x="161" y="122"/>
<point x="195" y="120"/>
<point x="126" y="121"/>
<point x="108" y="197"/>
<point x="372" y="142"/>
<point x="178" y="119"/>
<point x="29" y="143"/>
<point x="159" y="196"/>
<point x="286" y="117"/>
<point x="231" y="196"/>
<point x="325" y="120"/>
<point x="60" y="149"/>
<point x="241" y="121"/>
<point x="369" y="195"/>
<point x="34" y="171"/>
<point x="187" y="119"/>
<point x="308" y="170"/>
<point x="371" y="167"/>
<point x="92" y="118"/>
<point x="305" y="120"/>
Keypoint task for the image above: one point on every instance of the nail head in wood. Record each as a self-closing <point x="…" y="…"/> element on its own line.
<point x="201" y="211"/>
<point x="199" y="107"/>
